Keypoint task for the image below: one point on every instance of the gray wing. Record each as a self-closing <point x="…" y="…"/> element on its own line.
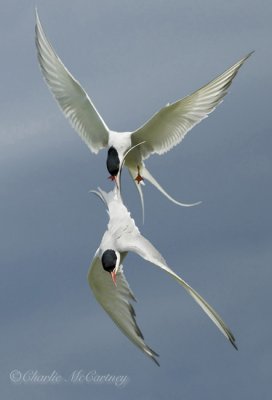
<point x="168" y="127"/>
<point x="140" y="245"/>
<point x="71" y="97"/>
<point x="116" y="302"/>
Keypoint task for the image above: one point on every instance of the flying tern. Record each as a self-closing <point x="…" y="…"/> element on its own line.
<point x="106" y="276"/>
<point x="164" y="130"/>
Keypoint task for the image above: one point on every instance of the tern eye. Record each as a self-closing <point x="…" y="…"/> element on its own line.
<point x="109" y="259"/>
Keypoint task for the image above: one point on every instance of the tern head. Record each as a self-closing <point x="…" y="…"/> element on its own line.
<point x="113" y="161"/>
<point x="110" y="261"/>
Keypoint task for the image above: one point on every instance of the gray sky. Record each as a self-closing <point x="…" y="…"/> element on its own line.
<point x="133" y="58"/>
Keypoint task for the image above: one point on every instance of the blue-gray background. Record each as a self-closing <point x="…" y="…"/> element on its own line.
<point x="133" y="57"/>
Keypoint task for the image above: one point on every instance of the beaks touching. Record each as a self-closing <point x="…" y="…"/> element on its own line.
<point x="113" y="277"/>
<point x="112" y="178"/>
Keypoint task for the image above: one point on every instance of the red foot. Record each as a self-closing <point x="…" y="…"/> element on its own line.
<point x="139" y="178"/>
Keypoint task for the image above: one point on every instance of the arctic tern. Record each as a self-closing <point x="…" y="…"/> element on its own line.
<point x="164" y="130"/>
<point x="106" y="276"/>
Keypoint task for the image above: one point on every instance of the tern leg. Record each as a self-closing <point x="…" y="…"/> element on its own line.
<point x="139" y="178"/>
<point x="132" y="172"/>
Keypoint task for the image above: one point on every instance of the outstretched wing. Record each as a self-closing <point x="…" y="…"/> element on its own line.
<point x="71" y="97"/>
<point x="140" y="245"/>
<point x="116" y="302"/>
<point x="168" y="127"/>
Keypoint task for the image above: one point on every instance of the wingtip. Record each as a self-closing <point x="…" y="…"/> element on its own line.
<point x="250" y="53"/>
<point x="243" y="60"/>
<point x="36" y="14"/>
<point x="153" y="355"/>
<point x="232" y="341"/>
<point x="38" y="25"/>
<point x="156" y="361"/>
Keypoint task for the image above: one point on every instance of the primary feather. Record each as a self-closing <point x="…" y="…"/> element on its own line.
<point x="116" y="301"/>
<point x="168" y="127"/>
<point x="71" y="97"/>
<point x="158" y="135"/>
<point x="122" y="236"/>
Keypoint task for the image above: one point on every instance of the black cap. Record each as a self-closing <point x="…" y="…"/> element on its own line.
<point x="109" y="259"/>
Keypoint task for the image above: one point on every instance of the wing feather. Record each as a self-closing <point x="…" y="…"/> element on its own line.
<point x="71" y="97"/>
<point x="116" y="302"/>
<point x="146" y="250"/>
<point x="168" y="127"/>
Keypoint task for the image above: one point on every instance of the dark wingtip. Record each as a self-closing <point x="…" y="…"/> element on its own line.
<point x="249" y="54"/>
<point x="152" y="354"/>
<point x="155" y="360"/>
<point x="232" y="341"/>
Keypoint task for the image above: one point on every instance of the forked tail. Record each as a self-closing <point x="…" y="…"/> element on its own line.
<point x="146" y="175"/>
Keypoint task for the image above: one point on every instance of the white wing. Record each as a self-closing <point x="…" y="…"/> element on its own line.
<point x="71" y="97"/>
<point x="116" y="302"/>
<point x="141" y="246"/>
<point x="168" y="127"/>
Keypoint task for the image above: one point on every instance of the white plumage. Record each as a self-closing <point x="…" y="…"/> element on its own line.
<point x="122" y="236"/>
<point x="161" y="133"/>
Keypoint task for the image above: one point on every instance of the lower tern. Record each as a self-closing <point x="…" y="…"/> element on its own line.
<point x="164" y="130"/>
<point x="107" y="280"/>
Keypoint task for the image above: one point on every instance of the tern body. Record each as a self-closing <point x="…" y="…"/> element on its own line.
<point x="113" y="292"/>
<point x="164" y="130"/>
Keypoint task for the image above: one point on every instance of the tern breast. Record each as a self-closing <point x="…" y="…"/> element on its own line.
<point x="121" y="141"/>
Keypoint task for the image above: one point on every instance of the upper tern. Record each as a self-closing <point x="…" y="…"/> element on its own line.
<point x="107" y="279"/>
<point x="164" y="130"/>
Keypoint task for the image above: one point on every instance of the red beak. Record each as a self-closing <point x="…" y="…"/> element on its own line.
<point x="113" y="178"/>
<point x="113" y="276"/>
